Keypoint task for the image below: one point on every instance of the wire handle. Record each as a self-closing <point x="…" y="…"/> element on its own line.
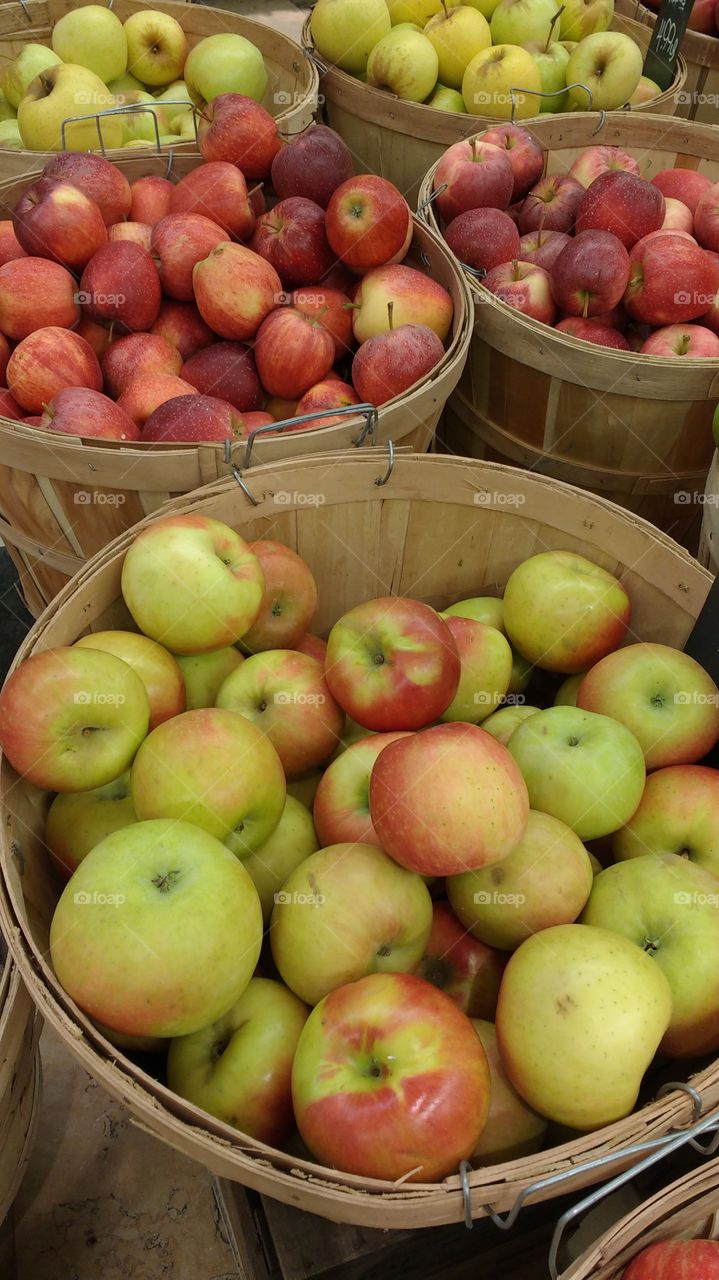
<point x="546" y="93"/>
<point x="133" y="108"/>
<point x="366" y="411"/>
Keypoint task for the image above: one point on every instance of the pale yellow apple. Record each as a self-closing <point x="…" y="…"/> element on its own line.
<point x="521" y="21"/>
<point x="645" y="91"/>
<point x="157" y="47"/>
<point x="183" y="126"/>
<point x="7" y="110"/>
<point x="445" y="99"/>
<point x="498" y="75"/>
<point x="304" y="788"/>
<point x="610" y="64"/>
<point x="457" y="36"/>
<point x="290" y="843"/>
<point x="138" y="126"/>
<point x="92" y="36"/>
<point x="405" y="63"/>
<point x="552" y="63"/>
<point x="59" y="94"/>
<point x="125" y="84"/>
<point x="582" y="18"/>
<point x="18" y="74"/>
<point x="174" y="99"/>
<point x="226" y="63"/>
<point x="10" y="135"/>
<point x="419" y="11"/>
<point x="345" y="31"/>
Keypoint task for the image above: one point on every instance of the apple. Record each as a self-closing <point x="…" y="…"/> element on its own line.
<point x="544" y="880"/>
<point x="239" y="1068"/>
<point x="218" y="191"/>
<point x="92" y="36"/>
<point x="392" y="362"/>
<point x="519" y="22"/>
<point x="312" y="164"/>
<point x="151" y="198"/>
<point x="678" y="813"/>
<point x="314" y="646"/>
<point x="404" y="63"/>
<point x="591" y="331"/>
<point x="10" y="137"/>
<point x="489" y="87"/>
<point x="149" y="389"/>
<point x="157" y="669"/>
<point x="47" y="361"/>
<point x="466" y="970"/>
<point x="79" y="411"/>
<point x="591" y="273"/>
<point x="706" y="219"/>
<point x="406" y="1131"/>
<point x="513" y="1129"/>
<point x="203" y="673"/>
<point x="345" y="912"/>
<point x="627" y="206"/>
<point x="483" y="239"/>
<point x="686" y="185"/>
<point x="677" y="216"/>
<point x="525" y="155"/>
<point x="236" y="129"/>
<point x="610" y="65"/>
<point x="597" y="160"/>
<point x="135" y="354"/>
<point x="77" y="821"/>
<point x="580" y="18"/>
<point x="416" y="299"/>
<point x="542" y="248"/>
<point x="457" y="35"/>
<point x="341" y="804"/>
<point x="174" y="100"/>
<point x="671" y="280"/>
<point x="525" y="287"/>
<point x="72" y="720"/>
<point x="235" y="289"/>
<point x="502" y="723"/>
<point x="291" y="236"/>
<point x="289" y="601"/>
<point x="285" y="694"/>
<point x="292" y="841"/>
<point x="9" y="408"/>
<point x="292" y="352"/>
<point x="193" y="419"/>
<point x="181" y="324"/>
<point x="346" y="32"/>
<point x="486" y="669"/>
<point x="487" y="609"/>
<point x="368" y="223"/>
<point x="157" y="47"/>
<point x="223" y="64"/>
<point x="693" y="341"/>
<point x="702" y="17"/>
<point x="4" y="357"/>
<point x="144" y="125"/>
<point x="475" y="175"/>
<point x="567" y="993"/>
<point x="60" y="93"/>
<point x="696" y="1259"/>
<point x="333" y="310"/>
<point x="646" y="91"/>
<point x="97" y="179"/>
<point x="552" y="60"/>
<point x="227" y="371"/>
<point x="121" y="286"/>
<point x="448" y="800"/>
<point x="178" y="242"/>
<point x="183" y="965"/>
<point x="192" y="583"/>
<point x="10" y="247"/>
<point x="551" y="204"/>
<point x="329" y="394"/>
<point x="30" y="62"/>
<point x="138" y="232"/>
<point x="36" y="294"/>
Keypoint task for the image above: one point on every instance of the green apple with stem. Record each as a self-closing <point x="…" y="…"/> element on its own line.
<point x="552" y="59"/>
<point x="610" y="64"/>
<point x="345" y="31"/>
<point x="16" y="76"/>
<point x="457" y="34"/>
<point x="293" y="840"/>
<point x="446" y="99"/>
<point x="92" y="36"/>
<point x="404" y="63"/>
<point x="522" y="21"/>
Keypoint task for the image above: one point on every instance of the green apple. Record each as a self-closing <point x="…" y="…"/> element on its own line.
<point x="157" y="47"/>
<point x="239" y="1068"/>
<point x="545" y="880"/>
<point x="225" y="64"/>
<point x="485" y="7"/>
<point x="485" y="672"/>
<point x="457" y="34"/>
<point x="157" y="669"/>
<point x="487" y="609"/>
<point x="406" y="26"/>
<point x="158" y="932"/>
<point x="304" y="788"/>
<point x="184" y="126"/>
<point x="580" y="18"/>
<point x="678" y="813"/>
<point x="513" y="1129"/>
<point x="59" y="94"/>
<point x="501" y="724"/>
<point x="7" y="110"/>
<point x="405" y="63"/>
<point x="134" y="1044"/>
<point x="10" y="135"/>
<point x="293" y="840"/>
<point x="18" y="74"/>
<point x="139" y="126"/>
<point x="582" y="768"/>
<point x="92" y="36"/>
<point x="610" y="64"/>
<point x="581" y="1014"/>
<point x="417" y="12"/>
<point x="552" y="62"/>
<point x="203" y="674"/>
<point x="500" y="77"/>
<point x="125" y="84"/>
<point x="521" y="674"/>
<point x="173" y="95"/>
<point x="670" y="908"/>
<point x="566" y="695"/>
<point x="445" y="99"/>
<point x="346" y="31"/>
<point x="521" y="21"/>
<point x="76" y="823"/>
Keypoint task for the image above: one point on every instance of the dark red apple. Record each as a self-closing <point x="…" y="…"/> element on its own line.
<point x="551" y="204"/>
<point x="137" y="353"/>
<point x="120" y="286"/>
<point x="706" y="219"/>
<point x="339" y="277"/>
<point x="702" y="17"/>
<point x="292" y="352"/>
<point x="671" y="280"/>
<point x="368" y="223"/>
<point x="602" y="335"/>
<point x="240" y="131"/>
<point x="620" y="202"/>
<point x="219" y="192"/>
<point x="178" y="242"/>
<point x="472" y="175"/>
<point x="542" y="247"/>
<point x="524" y="152"/>
<point x="184" y="328"/>
<point x="292" y="238"/>
<point x="687" y="185"/>
<point x="525" y="287"/>
<point x="332" y="309"/>
<point x="591" y="274"/>
<point x="483" y="238"/>
<point x="227" y="371"/>
<point x="326" y="395"/>
<point x="390" y="363"/>
<point x="97" y="178"/>
<point x="314" y="164"/>
<point x="194" y="418"/>
<point x="78" y="411"/>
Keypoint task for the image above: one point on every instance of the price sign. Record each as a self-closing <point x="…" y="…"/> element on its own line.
<point x="661" y="60"/>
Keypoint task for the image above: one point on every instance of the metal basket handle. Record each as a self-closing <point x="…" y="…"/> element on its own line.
<point x="134" y="108"/>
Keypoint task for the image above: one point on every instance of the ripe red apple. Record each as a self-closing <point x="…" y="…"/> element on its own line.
<point x="240" y="131"/>
<point x="672" y="1259"/>
<point x="34" y="294"/>
<point x="9" y="408"/>
<point x="687" y="185"/>
<point x="339" y="277"/>
<point x="54" y="220"/>
<point x="368" y="223"/>
<point x="591" y="331"/>
<point x="292" y="353"/>
<point x="4" y="357"/>
<point x="227" y="371"/>
<point x="702" y="17"/>
<point x="542" y="247"/>
<point x="525" y="287"/>
<point x="253" y="420"/>
<point x="524" y="153"/>
<point x="706" y="219"/>
<point x="120" y="286"/>
<point x="179" y="241"/>
<point x="146" y="391"/>
<point x="475" y="175"/>
<point x="314" y="164"/>
<point x="341" y="805"/>
<point x="193" y="418"/>
<point x="313" y="646"/>
<point x="135" y="354"/>
<point x="97" y="178"/>
<point x="292" y="238"/>
<point x="670" y="280"/>
<point x="467" y="970"/>
<point x="620" y="202"/>
<point x="78" y="411"/>
<point x="218" y="191"/>
<point x="46" y="362"/>
<point x="138" y="232"/>
<point x="289" y="600"/>
<point x="150" y="199"/>
<point x="483" y="238"/>
<point x="551" y="204"/>
<point x="597" y="160"/>
<point x="332" y="309"/>
<point x="591" y="273"/>
<point x="415" y="298"/>
<point x="97" y="335"/>
<point x="234" y="290"/>
<point x="677" y="216"/>
<point x="10" y="247"/>
<point x="329" y="394"/>
<point x="693" y="341"/>
<point x="183" y="327"/>
<point x="392" y="362"/>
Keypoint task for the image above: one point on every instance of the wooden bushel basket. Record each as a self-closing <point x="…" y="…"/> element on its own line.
<point x="437" y="529"/>
<point x="698" y="97"/>
<point x="19" y="1079"/>
<point x="400" y="140"/>
<point x="635" y="428"/>
<point x="62" y="500"/>
<point x="293" y="81"/>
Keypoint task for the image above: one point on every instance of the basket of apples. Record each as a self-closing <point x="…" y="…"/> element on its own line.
<point x="124" y="76"/>
<point x="379" y="1010"/>
<point x="161" y="327"/>
<point x="404" y="79"/>
<point x="699" y="95"/>
<point x="591" y="249"/>
<point x="19" y="1078"/>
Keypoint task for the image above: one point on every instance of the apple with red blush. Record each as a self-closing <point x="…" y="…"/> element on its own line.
<point x="333" y="310"/>
<point x="178" y="242"/>
<point x="53" y="219"/>
<point x="10" y="246"/>
<point x="686" y="185"/>
<point x="394" y="361"/>
<point x="292" y="237"/>
<point x="671" y="280"/>
<point x="134" y="354"/>
<point x="194" y="419"/>
<point x="80" y="411"/>
<point x="96" y="178"/>
<point x="46" y="362"/>
<point x="313" y="164"/>
<point x="597" y="160"/>
<point x="241" y="132"/>
<point x="622" y="203"/>
<point x="138" y="232"/>
<point x="329" y="394"/>
<point x="227" y="371"/>
<point x="524" y="152"/>
<point x="483" y="238"/>
<point x="706" y="219"/>
<point x="525" y="287"/>
<point x="472" y="175"/>
<point x="9" y="408"/>
<point x="693" y="341"/>
<point x="151" y="198"/>
<point x="146" y="391"/>
<point x="542" y="247"/>
<point x="368" y="223"/>
<point x="551" y="204"/>
<point x="602" y="335"/>
<point x="36" y="293"/>
<point x="591" y="273"/>
<point x="292" y="353"/>
<point x="217" y="191"/>
<point x="120" y="286"/>
<point x="183" y="327"/>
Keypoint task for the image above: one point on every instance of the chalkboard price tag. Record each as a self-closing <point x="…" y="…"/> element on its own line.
<point x="671" y="23"/>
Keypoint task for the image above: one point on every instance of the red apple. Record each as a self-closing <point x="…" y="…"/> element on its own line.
<point x="671" y="280"/>
<point x="183" y="327"/>
<point x="256" y="197"/>
<point x="97" y="178"/>
<point x="591" y="331"/>
<point x="54" y="220"/>
<point x="34" y="294"/>
<point x="542" y="247"/>
<point x="134" y="354"/>
<point x="415" y="298"/>
<point x="591" y="273"/>
<point x="706" y="219"/>
<point x="138" y="232"/>
<point x="218" y="191"/>
<point x="339" y="277"/>
<point x="292" y="238"/>
<point x="9" y="407"/>
<point x="686" y="185"/>
<point x="97" y="335"/>
<point x="46" y="362"/>
<point x="10" y="248"/>
<point x="483" y="238"/>
<point x="693" y="341"/>
<point x="238" y="130"/>
<point x="524" y="152"/>
<point x="120" y="286"/>
<point x="341" y="805"/>
<point x="254" y="420"/>
<point x="313" y="164"/>
<point x="150" y="199"/>
<point x="227" y="371"/>
<point x="33" y="420"/>
<point x="146" y="391"/>
<point x="702" y="17"/>
<point x="235" y="289"/>
<point x="467" y="970"/>
<point x="179" y="241"/>
<point x="676" y="1260"/>
<point x="292" y="353"/>
<point x="525" y="287"/>
<point x="551" y="204"/>
<point x="474" y="175"/>
<point x="193" y="418"/>
<point x="329" y="394"/>
<point x="368" y="223"/>
<point x="289" y="600"/>
<point x="4" y="357"/>
<point x="77" y="411"/>
<point x="677" y="216"/>
<point x="620" y="202"/>
<point x="597" y="160"/>
<point x="332" y="309"/>
<point x="313" y="646"/>
<point x="392" y="362"/>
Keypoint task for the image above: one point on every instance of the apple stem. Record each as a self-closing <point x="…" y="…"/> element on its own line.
<point x="553" y="24"/>
<point x="473" y="145"/>
<point x="585" y="308"/>
<point x="390" y="310"/>
<point x="444" y="6"/>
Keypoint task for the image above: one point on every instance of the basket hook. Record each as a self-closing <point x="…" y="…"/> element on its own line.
<point x="381" y="480"/>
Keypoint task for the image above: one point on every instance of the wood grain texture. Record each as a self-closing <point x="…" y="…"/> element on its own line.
<point x="19" y="1082"/>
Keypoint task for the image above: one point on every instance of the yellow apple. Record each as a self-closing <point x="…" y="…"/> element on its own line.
<point x="157" y="47"/>
<point x="125" y="84"/>
<point x="496" y="76"/>
<point x="10" y="135"/>
<point x="444" y="99"/>
<point x="139" y="125"/>
<point x="404" y="62"/>
<point x="59" y="94"/>
<point x="183" y="126"/>
<point x="290" y="843"/>
<point x="521" y="21"/>
<point x="15" y="78"/>
<point x="225" y="64"/>
<point x="580" y="18"/>
<point x="552" y="63"/>
<point x="346" y="31"/>
<point x="610" y="64"/>
<point x="92" y="36"/>
<point x="645" y="91"/>
<point x="457" y="36"/>
<point x="175" y="93"/>
<point x="7" y="110"/>
<point x="417" y="11"/>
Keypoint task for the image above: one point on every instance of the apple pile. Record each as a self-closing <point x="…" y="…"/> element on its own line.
<point x="185" y="311"/>
<point x="598" y="251"/>
<point x="96" y="63"/>
<point x="393" y="836"/>
<point x="486" y="57"/>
